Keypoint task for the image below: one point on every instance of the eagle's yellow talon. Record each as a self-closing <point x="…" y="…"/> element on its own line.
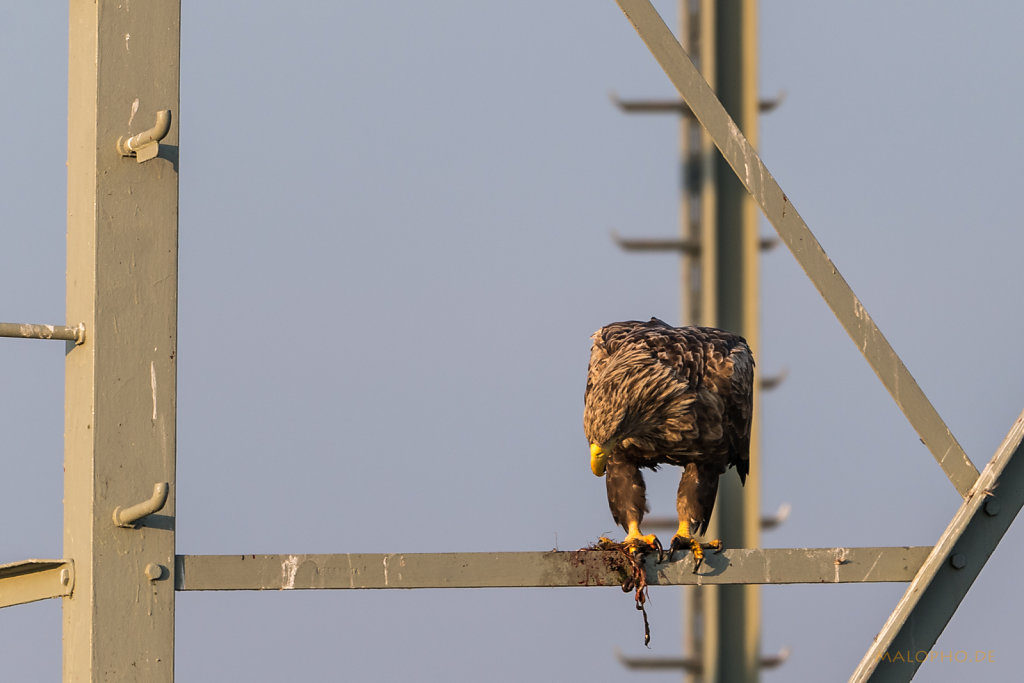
<point x="682" y="541"/>
<point x="649" y="539"/>
<point x="637" y="541"/>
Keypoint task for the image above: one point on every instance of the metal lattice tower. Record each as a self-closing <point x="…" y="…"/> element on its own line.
<point x="119" y="575"/>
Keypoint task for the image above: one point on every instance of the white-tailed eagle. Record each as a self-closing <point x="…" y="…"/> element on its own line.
<point x="657" y="395"/>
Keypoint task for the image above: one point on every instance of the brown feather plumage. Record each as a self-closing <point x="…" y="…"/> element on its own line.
<point x="658" y="395"/>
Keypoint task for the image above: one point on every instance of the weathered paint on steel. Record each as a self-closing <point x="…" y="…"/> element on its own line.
<point x="780" y="212"/>
<point x="122" y="283"/>
<point x="939" y="587"/>
<point x="30" y="331"/>
<point x="32" y="580"/>
<point x="729" y="617"/>
<point x="540" y="569"/>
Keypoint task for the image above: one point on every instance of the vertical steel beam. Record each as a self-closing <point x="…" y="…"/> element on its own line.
<point x="691" y="177"/>
<point x="728" y="59"/>
<point x="720" y="286"/>
<point x="704" y="611"/>
<point x="709" y="205"/>
<point x="120" y="384"/>
<point x="694" y="151"/>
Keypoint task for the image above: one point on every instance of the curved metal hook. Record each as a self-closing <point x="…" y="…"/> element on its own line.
<point x="780" y="516"/>
<point x="139" y="145"/>
<point x="127" y="517"/>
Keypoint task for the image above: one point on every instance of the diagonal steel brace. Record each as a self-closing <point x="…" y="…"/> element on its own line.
<point x="992" y="498"/>
<point x="783" y="216"/>
<point x="906" y="639"/>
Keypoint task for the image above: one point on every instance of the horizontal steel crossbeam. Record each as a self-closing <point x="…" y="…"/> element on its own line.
<point x="540" y="569"/>
<point x="31" y="331"/>
<point x="651" y="106"/>
<point x="683" y="245"/>
<point x="32" y="580"/>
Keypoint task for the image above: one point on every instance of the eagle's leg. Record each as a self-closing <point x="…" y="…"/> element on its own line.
<point x="694" y="503"/>
<point x="627" y="499"/>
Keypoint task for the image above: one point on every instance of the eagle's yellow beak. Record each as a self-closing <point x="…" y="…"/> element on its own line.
<point x="597" y="459"/>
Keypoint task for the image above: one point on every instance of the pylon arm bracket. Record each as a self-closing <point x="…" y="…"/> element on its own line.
<point x="30" y="331"/>
<point x="682" y="245"/>
<point x="685" y="246"/>
<point x="690" y="665"/>
<point x="540" y="569"/>
<point x="32" y="580"/>
<point x="679" y="106"/>
<point x="781" y="213"/>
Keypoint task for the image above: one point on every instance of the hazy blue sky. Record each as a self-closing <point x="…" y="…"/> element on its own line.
<point x="394" y="236"/>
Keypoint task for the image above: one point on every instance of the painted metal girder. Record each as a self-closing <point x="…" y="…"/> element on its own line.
<point x="933" y="596"/>
<point x="31" y="331"/>
<point x="31" y="580"/>
<point x="120" y="384"/>
<point x="541" y="569"/>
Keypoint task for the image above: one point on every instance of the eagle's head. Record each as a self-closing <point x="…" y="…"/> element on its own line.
<point x="618" y="405"/>
<point x="632" y="400"/>
<point x="615" y="427"/>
